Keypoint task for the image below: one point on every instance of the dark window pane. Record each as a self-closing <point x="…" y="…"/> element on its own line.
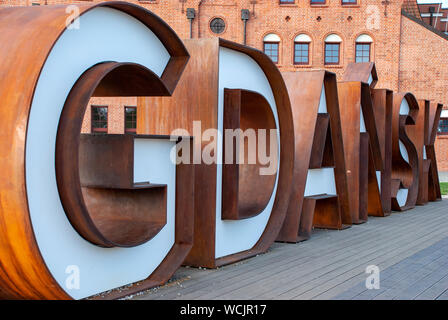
<point x="349" y="2"/>
<point x="286" y="1"/>
<point x="99" y="119"/>
<point x="130" y="118"/>
<point x="317" y="1"/>
<point x="443" y="126"/>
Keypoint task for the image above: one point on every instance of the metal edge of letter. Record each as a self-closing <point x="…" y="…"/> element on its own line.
<point x="362" y="150"/>
<point x="432" y="117"/>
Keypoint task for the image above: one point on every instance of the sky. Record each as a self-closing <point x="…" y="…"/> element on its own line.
<point x="444" y="2"/>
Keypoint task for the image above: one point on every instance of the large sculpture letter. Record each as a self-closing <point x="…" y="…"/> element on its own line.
<point x="405" y="166"/>
<point x="362" y="150"/>
<point x="432" y="117"/>
<point x="367" y="171"/>
<point x="238" y="211"/>
<point x="319" y="196"/>
<point x="114" y="208"/>
<point x="382" y="107"/>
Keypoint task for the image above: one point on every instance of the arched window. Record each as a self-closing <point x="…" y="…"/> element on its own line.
<point x="271" y="43"/>
<point x="332" y="49"/>
<point x="363" y="48"/>
<point x="302" y="49"/>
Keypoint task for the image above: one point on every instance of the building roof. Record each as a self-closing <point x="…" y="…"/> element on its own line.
<point x="424" y="24"/>
<point x="411" y="7"/>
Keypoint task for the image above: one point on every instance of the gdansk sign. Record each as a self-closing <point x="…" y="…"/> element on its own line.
<point x="230" y="154"/>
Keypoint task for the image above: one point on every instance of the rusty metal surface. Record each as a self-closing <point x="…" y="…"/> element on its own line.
<point x="96" y="187"/>
<point x="379" y="127"/>
<point x="362" y="150"/>
<point x="245" y="110"/>
<point x="161" y="115"/>
<point x="361" y="72"/>
<point x="27" y="36"/>
<point x="198" y="91"/>
<point x="322" y="149"/>
<point x="90" y="164"/>
<point x="382" y="107"/>
<point x="308" y="140"/>
<point x="405" y="175"/>
<point x="432" y="117"/>
<point x="416" y="133"/>
<point x="305" y="93"/>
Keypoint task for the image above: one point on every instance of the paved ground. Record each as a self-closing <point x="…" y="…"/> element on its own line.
<point x="410" y="248"/>
<point x="443" y="176"/>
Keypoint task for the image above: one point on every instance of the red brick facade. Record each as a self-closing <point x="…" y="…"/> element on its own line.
<point x="115" y="113"/>
<point x="423" y="69"/>
<point x="408" y="55"/>
<point x="442" y="152"/>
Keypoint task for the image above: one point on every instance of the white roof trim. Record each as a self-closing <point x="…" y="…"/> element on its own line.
<point x="302" y="38"/>
<point x="272" y="37"/>
<point x="333" y="38"/>
<point x="364" y="38"/>
<point x="443" y="2"/>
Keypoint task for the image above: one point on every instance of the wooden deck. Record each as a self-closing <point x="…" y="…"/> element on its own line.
<point x="410" y="248"/>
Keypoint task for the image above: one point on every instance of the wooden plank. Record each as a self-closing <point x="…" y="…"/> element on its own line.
<point x="322" y="268"/>
<point x="316" y="280"/>
<point x="244" y="275"/>
<point x="232" y="281"/>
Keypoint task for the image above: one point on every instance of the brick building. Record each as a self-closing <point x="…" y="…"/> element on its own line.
<point x="305" y="35"/>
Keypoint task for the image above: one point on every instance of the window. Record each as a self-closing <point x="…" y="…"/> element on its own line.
<point x="332" y="49"/>
<point x="130" y="119"/>
<point x="362" y="48"/>
<point x="362" y="52"/>
<point x="302" y="49"/>
<point x="99" y="119"/>
<point x="287" y="1"/>
<point x="352" y="2"/>
<point x="217" y="25"/>
<point x="271" y="46"/>
<point x="332" y="53"/>
<point x="317" y="1"/>
<point x="271" y="49"/>
<point x="443" y="126"/>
